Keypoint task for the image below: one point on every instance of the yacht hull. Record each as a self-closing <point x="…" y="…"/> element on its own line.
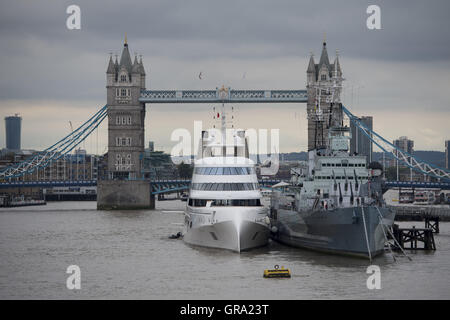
<point x="340" y="231"/>
<point x="229" y="235"/>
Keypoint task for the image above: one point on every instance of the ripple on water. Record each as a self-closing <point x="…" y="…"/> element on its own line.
<point x="126" y="254"/>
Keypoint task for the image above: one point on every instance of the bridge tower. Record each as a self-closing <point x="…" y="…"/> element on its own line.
<point x="124" y="187"/>
<point x="318" y="77"/>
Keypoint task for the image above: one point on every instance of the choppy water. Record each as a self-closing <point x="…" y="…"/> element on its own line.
<point x="128" y="255"/>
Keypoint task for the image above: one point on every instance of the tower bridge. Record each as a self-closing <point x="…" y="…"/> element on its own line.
<point x="127" y="96"/>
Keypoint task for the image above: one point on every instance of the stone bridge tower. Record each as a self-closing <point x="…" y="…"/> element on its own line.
<point x="125" y="187"/>
<point x="320" y="76"/>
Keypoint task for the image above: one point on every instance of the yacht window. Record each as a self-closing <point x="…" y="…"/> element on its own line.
<point x="224" y="170"/>
<point x="199" y="202"/>
<point x="237" y="202"/>
<point x="224" y="186"/>
<point x="214" y="186"/>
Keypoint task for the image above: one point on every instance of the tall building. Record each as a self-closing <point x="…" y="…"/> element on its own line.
<point x="447" y="154"/>
<point x="404" y="144"/>
<point x="13" y="127"/>
<point x="318" y="75"/>
<point x="360" y="143"/>
<point x="126" y="114"/>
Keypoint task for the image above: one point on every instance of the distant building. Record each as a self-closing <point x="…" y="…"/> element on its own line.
<point x="13" y="126"/>
<point x="77" y="166"/>
<point x="151" y="146"/>
<point x="158" y="165"/>
<point x="447" y="154"/>
<point x="404" y="144"/>
<point x="360" y="143"/>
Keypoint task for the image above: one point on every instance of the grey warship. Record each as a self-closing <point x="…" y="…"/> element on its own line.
<point x="334" y="201"/>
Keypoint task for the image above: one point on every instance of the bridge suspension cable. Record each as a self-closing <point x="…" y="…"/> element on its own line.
<point x="56" y="151"/>
<point x="403" y="156"/>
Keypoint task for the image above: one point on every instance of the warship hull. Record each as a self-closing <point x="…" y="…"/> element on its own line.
<point x="342" y="231"/>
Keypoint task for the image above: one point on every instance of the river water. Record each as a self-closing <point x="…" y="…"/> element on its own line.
<point x="127" y="255"/>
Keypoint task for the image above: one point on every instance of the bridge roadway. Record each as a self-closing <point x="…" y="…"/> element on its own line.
<point x="167" y="186"/>
<point x="158" y="186"/>
<point x="223" y="95"/>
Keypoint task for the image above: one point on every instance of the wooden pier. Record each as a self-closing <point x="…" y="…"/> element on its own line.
<point x="430" y="215"/>
<point x="432" y="223"/>
<point x="413" y="238"/>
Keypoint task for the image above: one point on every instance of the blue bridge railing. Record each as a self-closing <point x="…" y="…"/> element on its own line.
<point x="174" y="185"/>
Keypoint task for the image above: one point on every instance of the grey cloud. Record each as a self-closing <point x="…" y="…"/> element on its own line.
<point x="400" y="65"/>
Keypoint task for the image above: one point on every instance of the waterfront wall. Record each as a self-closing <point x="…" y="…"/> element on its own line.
<point x="124" y="195"/>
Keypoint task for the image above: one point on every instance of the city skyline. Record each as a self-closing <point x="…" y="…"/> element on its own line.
<point x="57" y="75"/>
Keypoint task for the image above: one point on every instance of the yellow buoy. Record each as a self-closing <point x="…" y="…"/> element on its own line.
<point x="277" y="272"/>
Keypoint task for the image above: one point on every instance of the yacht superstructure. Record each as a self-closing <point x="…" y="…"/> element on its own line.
<point x="224" y="208"/>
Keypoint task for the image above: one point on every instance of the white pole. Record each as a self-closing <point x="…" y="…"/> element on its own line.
<point x="365" y="231"/>
<point x="397" y="171"/>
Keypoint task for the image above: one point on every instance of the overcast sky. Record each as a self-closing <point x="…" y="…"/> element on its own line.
<point x="399" y="74"/>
